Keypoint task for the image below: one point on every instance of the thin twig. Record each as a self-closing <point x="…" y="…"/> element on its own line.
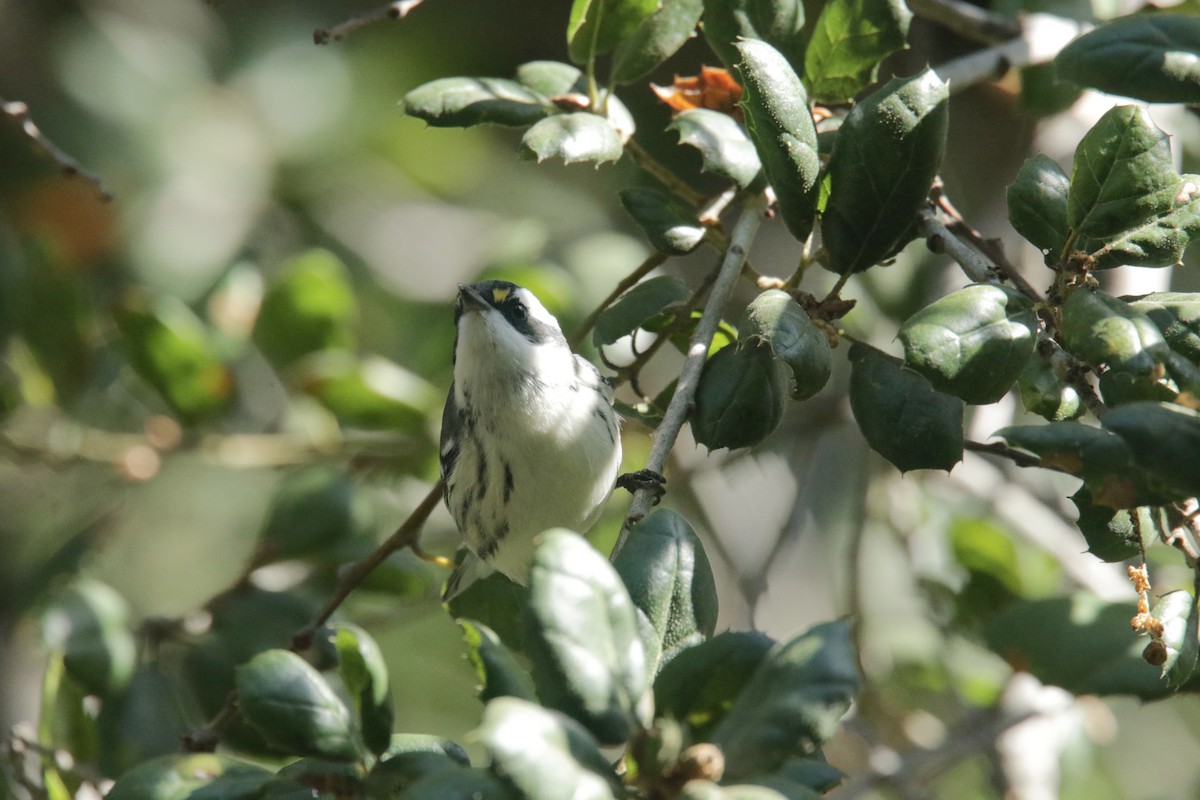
<point x="689" y="376"/>
<point x="662" y="174"/>
<point x="1021" y="459"/>
<point x="395" y="10"/>
<point x="990" y="248"/>
<point x="1042" y="37"/>
<point x="652" y="262"/>
<point x="940" y="239"/>
<point x="967" y="20"/>
<point x="18" y="112"/>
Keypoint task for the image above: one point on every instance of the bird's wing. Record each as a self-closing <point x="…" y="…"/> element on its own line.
<point x="451" y="428"/>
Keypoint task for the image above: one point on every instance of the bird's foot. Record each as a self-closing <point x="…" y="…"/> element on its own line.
<point x="646" y="479"/>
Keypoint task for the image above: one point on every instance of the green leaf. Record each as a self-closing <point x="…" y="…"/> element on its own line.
<point x="340" y="778"/>
<point x="817" y="774"/>
<point x="463" y="102"/>
<point x="294" y="709"/>
<point x="780" y="124"/>
<point x="498" y="672"/>
<point x="457" y="783"/>
<point x="658" y="38"/>
<point x="1122" y="177"/>
<point x="637" y="306"/>
<point x="1164" y="440"/>
<point x="1177" y="315"/>
<point x="887" y="153"/>
<point x="310" y="307"/>
<point x="741" y="396"/>
<point x="1113" y="534"/>
<point x="1044" y="393"/>
<point x="1160" y="240"/>
<point x="551" y="79"/>
<point x="370" y="392"/>
<point x="901" y="415"/>
<point x="849" y="41"/>
<point x="1080" y="643"/>
<point x="172" y="350"/>
<point x="777" y="319"/>
<point x="670" y="224"/>
<point x="395" y="775"/>
<point x="498" y="603"/>
<point x="573" y="138"/>
<point x="780" y="23"/>
<point x="725" y="148"/>
<point x="1037" y="204"/>
<point x="91" y="625"/>
<point x="665" y="569"/>
<point x="145" y="720"/>
<point x="180" y="776"/>
<point x="1180" y="618"/>
<point x="972" y="343"/>
<point x="426" y="743"/>
<point x="1100" y="329"/>
<point x="793" y="702"/>
<point x="1153" y="57"/>
<point x="363" y="671"/>
<point x="597" y="26"/>
<point x="581" y="635"/>
<point x="311" y="509"/>
<point x="545" y="755"/>
<point x="700" y="684"/>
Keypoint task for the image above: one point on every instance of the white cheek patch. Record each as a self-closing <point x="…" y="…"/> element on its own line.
<point x="537" y="311"/>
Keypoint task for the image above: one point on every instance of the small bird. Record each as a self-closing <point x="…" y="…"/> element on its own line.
<point x="530" y="439"/>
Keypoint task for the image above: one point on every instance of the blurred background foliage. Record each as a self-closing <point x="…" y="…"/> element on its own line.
<point x="231" y="375"/>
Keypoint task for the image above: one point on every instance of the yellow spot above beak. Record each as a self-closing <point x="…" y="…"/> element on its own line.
<point x="498" y="295"/>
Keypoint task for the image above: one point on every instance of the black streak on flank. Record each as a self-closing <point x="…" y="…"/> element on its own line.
<point x="481" y="475"/>
<point x="508" y="482"/>
<point x="599" y="412"/>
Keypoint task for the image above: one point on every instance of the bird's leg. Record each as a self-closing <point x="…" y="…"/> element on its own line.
<point x="647" y="479"/>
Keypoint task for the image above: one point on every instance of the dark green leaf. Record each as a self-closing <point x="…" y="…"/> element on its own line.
<point x="741" y="396"/>
<point x="1100" y="329"/>
<point x="498" y="603"/>
<point x="1043" y="93"/>
<point x="310" y="307"/>
<point x="884" y="161"/>
<point x="778" y="320"/>
<point x="551" y="79"/>
<point x="1044" y="393"/>
<point x="1180" y="618"/>
<point x="143" y="721"/>
<point x="1177" y="315"/>
<point x="294" y="709"/>
<point x="1118" y="388"/>
<point x="573" y="137"/>
<point x="1113" y="535"/>
<point x="658" y="38"/>
<point x="816" y="774"/>
<point x="972" y="343"/>
<point x="582" y="636"/>
<point x="597" y="26"/>
<point x="851" y="37"/>
<point x="725" y="148"/>
<point x="52" y="312"/>
<point x="498" y="672"/>
<point x="545" y="755"/>
<point x="1080" y="643"/>
<point x="90" y="624"/>
<point x="700" y="684"/>
<point x="1153" y="57"/>
<point x="665" y="569"/>
<point x="780" y="23"/>
<point x="363" y="671"/>
<point x="426" y="743"/>
<point x="1165" y="442"/>
<point x="457" y="783"/>
<point x="670" y="224"/>
<point x="792" y="703"/>
<point x="901" y="415"/>
<point x="1037" y="204"/>
<point x="463" y="102"/>
<point x="371" y="392"/>
<point x="180" y="776"/>
<point x="780" y="124"/>
<point x="337" y="778"/>
<point x="1160" y="240"/>
<point x="171" y="349"/>
<point x="638" y="305"/>
<point x="311" y="508"/>
<point x="1123" y="176"/>
<point x="394" y="776"/>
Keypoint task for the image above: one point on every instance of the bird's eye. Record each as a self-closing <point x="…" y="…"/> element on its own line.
<point x="519" y="312"/>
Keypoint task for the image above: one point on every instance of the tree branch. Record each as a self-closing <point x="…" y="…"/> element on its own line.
<point x="396" y="10"/>
<point x="689" y="377"/>
<point x="1004" y="451"/>
<point x="968" y="21"/>
<point x="18" y="112"/>
<point x="1042" y="37"/>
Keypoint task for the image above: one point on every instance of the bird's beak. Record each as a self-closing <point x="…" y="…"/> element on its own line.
<point x="471" y="300"/>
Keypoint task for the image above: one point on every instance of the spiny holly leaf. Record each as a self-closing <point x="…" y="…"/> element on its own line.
<point x="700" y="685"/>
<point x="884" y="160"/>
<point x="463" y="102"/>
<point x="901" y="415"/>
<point x="725" y="148"/>
<point x="1114" y="534"/>
<point x="777" y="319"/>
<point x="1177" y="315"/>
<point x="1153" y="57"/>
<point x="972" y="343"/>
<point x="658" y="38"/>
<point x="573" y="138"/>
<point x="741" y="396"/>
<point x="1100" y="329"/>
<point x="780" y="23"/>
<point x="597" y="26"/>
<point x="780" y="124"/>
<point x="1161" y="239"/>
<point x="1180" y="619"/>
<point x="1164" y="440"/>
<point x="849" y="41"/>
<point x="638" y="305"/>
<point x="1037" y="204"/>
<point x="671" y="225"/>
<point x="1044" y="393"/>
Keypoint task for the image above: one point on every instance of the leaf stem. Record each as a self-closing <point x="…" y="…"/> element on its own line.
<point x="689" y="377"/>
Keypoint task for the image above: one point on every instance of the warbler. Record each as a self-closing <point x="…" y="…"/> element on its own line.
<point x="530" y="439"/>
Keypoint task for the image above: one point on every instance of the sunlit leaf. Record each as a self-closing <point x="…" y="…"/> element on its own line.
<point x="1153" y="57"/>
<point x="850" y="39"/>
